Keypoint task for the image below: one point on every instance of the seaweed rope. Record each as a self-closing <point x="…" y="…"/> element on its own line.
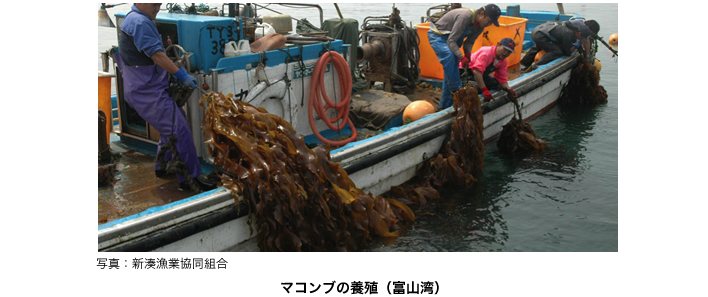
<point x="318" y="92"/>
<point x="517" y="135"/>
<point x="175" y="165"/>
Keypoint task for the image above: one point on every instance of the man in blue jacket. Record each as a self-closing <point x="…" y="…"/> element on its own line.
<point x="446" y="35"/>
<point x="145" y="69"/>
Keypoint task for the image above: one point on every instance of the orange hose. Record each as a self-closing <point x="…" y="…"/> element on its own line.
<point x="318" y="92"/>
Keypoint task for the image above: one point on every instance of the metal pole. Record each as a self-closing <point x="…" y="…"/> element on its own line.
<point x="214" y="80"/>
<point x="278" y="12"/>
<point x="339" y="12"/>
<point x="307" y="5"/>
<point x="607" y="45"/>
<point x="560" y="8"/>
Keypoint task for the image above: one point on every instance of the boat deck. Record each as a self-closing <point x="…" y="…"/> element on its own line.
<point x="136" y="187"/>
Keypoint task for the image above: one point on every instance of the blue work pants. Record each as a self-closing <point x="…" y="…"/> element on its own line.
<point x="450" y="62"/>
<point x="145" y="89"/>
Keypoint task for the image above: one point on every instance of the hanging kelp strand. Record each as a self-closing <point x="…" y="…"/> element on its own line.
<point x="583" y="88"/>
<point x="517" y="136"/>
<point x="462" y="156"/>
<point x="298" y="200"/>
<point x="459" y="159"/>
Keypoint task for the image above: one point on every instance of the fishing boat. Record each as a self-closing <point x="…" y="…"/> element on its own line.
<point x="280" y="81"/>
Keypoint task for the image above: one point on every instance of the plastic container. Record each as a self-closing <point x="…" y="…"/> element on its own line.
<point x="233" y="49"/>
<point x="428" y="64"/>
<point x="282" y="23"/>
<point x="263" y="30"/>
<point x="510" y="27"/>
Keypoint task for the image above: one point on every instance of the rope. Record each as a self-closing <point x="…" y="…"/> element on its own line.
<point x="287" y="89"/>
<point x="336" y="111"/>
<point x="175" y="165"/>
<point x="261" y="69"/>
<point x="301" y="64"/>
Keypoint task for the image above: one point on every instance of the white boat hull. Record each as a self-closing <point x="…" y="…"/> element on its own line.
<point x="411" y="145"/>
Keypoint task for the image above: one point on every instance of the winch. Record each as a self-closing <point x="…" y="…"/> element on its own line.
<point x="389" y="53"/>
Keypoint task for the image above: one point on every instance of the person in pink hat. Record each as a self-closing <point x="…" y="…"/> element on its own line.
<point x="488" y="60"/>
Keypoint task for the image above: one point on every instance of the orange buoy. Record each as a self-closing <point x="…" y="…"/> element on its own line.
<point x="539" y="55"/>
<point x="613" y="39"/>
<point x="597" y="65"/>
<point x="417" y="110"/>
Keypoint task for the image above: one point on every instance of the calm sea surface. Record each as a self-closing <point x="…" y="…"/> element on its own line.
<point x="564" y="199"/>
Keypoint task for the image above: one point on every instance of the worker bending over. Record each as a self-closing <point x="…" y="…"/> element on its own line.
<point x="488" y="60"/>
<point x="445" y="36"/>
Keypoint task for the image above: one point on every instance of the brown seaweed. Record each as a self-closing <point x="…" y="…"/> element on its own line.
<point x="461" y="157"/>
<point x="297" y="198"/>
<point x="583" y="87"/>
<point x="517" y="136"/>
<point x="459" y="160"/>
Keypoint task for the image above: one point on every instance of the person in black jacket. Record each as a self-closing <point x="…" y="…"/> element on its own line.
<point x="556" y="38"/>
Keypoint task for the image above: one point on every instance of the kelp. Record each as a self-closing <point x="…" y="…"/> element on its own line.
<point x="297" y="198"/>
<point x="583" y="87"/>
<point x="460" y="158"/>
<point x="462" y="155"/>
<point x="517" y="136"/>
